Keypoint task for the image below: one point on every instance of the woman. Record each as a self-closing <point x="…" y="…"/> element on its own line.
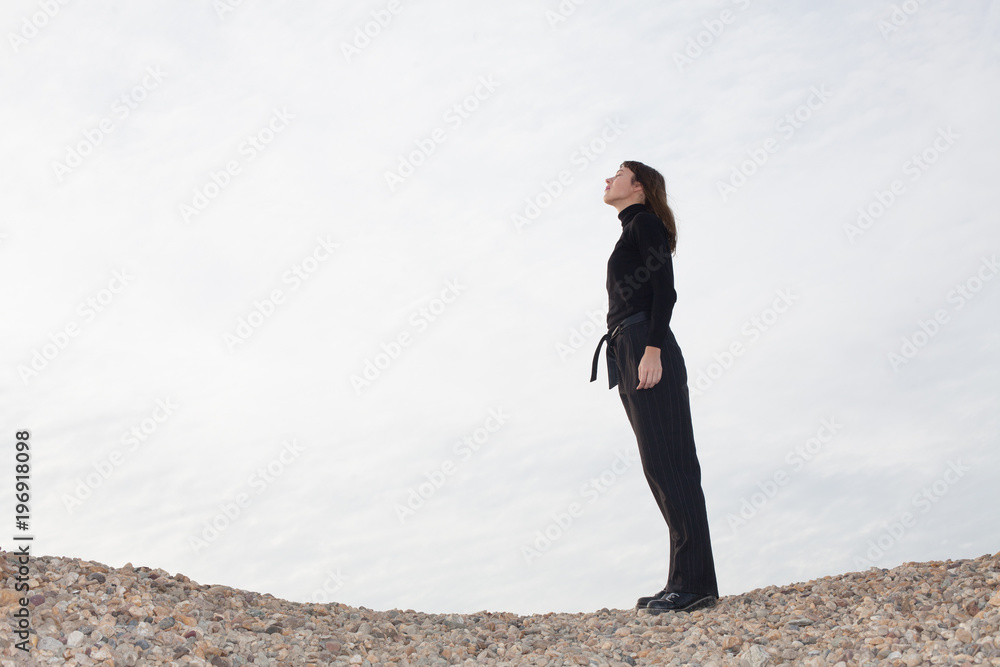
<point x="645" y="362"/>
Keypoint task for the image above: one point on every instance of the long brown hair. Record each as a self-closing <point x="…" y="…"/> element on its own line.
<point x="654" y="188"/>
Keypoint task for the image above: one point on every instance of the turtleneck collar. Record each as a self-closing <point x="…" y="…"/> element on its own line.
<point x="630" y="211"/>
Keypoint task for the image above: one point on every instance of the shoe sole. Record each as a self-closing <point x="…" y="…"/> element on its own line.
<point x="697" y="604"/>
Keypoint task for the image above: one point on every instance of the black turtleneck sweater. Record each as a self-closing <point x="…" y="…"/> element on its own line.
<point x="641" y="274"/>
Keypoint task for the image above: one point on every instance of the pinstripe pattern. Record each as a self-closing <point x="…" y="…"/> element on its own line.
<point x="661" y="419"/>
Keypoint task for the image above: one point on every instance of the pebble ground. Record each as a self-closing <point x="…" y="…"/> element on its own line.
<point x="86" y="613"/>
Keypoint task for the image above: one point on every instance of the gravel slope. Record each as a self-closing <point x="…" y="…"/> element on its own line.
<point x="86" y="613"/>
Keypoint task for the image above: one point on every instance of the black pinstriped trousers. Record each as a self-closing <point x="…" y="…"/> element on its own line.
<point x="661" y="419"/>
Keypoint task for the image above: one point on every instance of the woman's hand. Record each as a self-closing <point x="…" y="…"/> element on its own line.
<point x="650" y="370"/>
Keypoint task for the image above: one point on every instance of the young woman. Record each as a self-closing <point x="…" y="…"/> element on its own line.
<point x="645" y="362"/>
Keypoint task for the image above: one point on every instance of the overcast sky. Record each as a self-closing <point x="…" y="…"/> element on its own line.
<point x="301" y="297"/>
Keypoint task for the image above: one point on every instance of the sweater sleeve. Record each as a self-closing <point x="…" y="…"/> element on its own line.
<point x="654" y="251"/>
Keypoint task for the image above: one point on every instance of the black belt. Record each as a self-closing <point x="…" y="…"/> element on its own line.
<point x="612" y="373"/>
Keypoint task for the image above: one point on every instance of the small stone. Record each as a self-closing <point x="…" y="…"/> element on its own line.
<point x="189" y="634"/>
<point x="168" y="622"/>
<point x="963" y="635"/>
<point x="97" y="576"/>
<point x="51" y="644"/>
<point x="74" y="639"/>
<point x="333" y="647"/>
<point x="37" y="600"/>
<point x="754" y="656"/>
<point x="105" y="652"/>
<point x="274" y="629"/>
<point x="454" y="621"/>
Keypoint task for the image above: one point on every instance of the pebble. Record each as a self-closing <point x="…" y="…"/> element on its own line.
<point x="86" y="613"/>
<point x="51" y="644"/>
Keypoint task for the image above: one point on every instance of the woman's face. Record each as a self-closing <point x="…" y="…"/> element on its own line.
<point x="620" y="187"/>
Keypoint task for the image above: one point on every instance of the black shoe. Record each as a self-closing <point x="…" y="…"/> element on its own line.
<point x="643" y="601"/>
<point x="680" y="602"/>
